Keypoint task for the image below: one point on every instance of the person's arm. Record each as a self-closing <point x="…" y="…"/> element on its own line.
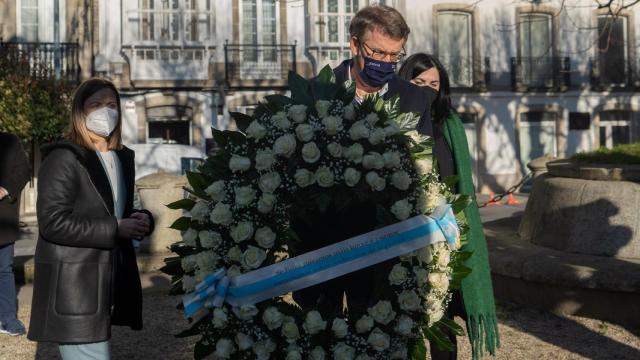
<point x="14" y="167"/>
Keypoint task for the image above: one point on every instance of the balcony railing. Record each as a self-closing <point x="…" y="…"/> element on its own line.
<point x="613" y="73"/>
<point x="258" y="64"/>
<point x="540" y="73"/>
<point x="38" y="60"/>
<point x="169" y="62"/>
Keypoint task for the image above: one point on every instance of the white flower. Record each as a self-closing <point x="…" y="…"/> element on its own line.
<point x="399" y="353"/>
<point x="293" y="355"/>
<point x="435" y="315"/>
<point x="280" y="120"/>
<point x="239" y="163"/>
<point x="377" y="136"/>
<point x="234" y="254"/>
<point x="317" y="353"/>
<point x="354" y="153"/>
<point x="265" y="159"/>
<point x="298" y="113"/>
<point x="201" y="275"/>
<point x="349" y="112"/>
<point x="339" y="327"/>
<point x="313" y="323"/>
<point x="290" y="330"/>
<point x="404" y="326"/>
<point x="188" y="263"/>
<point x="324" y="176"/>
<point x="207" y="260"/>
<point x="421" y="276"/>
<point x="256" y="130"/>
<point x="304" y="177"/>
<point x="444" y="257"/>
<point x="310" y="152"/>
<point x="263" y="349"/>
<point x="244" y="195"/>
<point x="209" y="239"/>
<point x="401" y="209"/>
<point x="224" y="348"/>
<point x="358" y="131"/>
<point x="439" y="281"/>
<point x="334" y="149"/>
<point x="285" y="145"/>
<point x="322" y="107"/>
<point x="265" y="237"/>
<point x="233" y="271"/>
<point x="343" y="351"/>
<point x="364" y="324"/>
<point x="272" y="318"/>
<point x="382" y="312"/>
<point x="269" y="182"/>
<point x="409" y="300"/>
<point x="253" y="257"/>
<point x="351" y="177"/>
<point x="220" y="318"/>
<point x="200" y="210"/>
<point x="332" y="124"/>
<point x="266" y="203"/>
<point x="372" y="119"/>
<point x="244" y="341"/>
<point x="304" y="132"/>
<point x="216" y="191"/>
<point x="188" y="283"/>
<point x="392" y="128"/>
<point x="246" y="312"/>
<point x="425" y="255"/>
<point x="221" y="214"/>
<point x="242" y="232"/>
<point x="424" y="166"/>
<point x="189" y="237"/>
<point x="373" y="160"/>
<point x="398" y="274"/>
<point x="375" y="181"/>
<point x="379" y="340"/>
<point x="401" y="180"/>
<point x="391" y="159"/>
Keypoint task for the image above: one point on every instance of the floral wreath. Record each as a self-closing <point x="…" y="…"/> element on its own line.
<point x="237" y="217"/>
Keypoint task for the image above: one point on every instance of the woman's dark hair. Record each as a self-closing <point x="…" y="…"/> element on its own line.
<point x="418" y="63"/>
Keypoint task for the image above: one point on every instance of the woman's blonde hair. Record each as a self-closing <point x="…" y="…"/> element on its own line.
<point x="78" y="132"/>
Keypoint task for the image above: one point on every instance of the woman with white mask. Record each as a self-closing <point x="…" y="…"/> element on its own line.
<point x="86" y="276"/>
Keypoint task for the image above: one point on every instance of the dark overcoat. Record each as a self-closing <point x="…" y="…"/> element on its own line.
<point x="14" y="175"/>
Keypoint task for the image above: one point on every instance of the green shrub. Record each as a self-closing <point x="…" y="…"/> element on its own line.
<point x="620" y="154"/>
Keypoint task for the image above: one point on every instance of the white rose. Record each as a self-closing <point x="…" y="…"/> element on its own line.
<point x="304" y="132"/>
<point x="358" y="131"/>
<point x="401" y="209"/>
<point x="391" y="159"/>
<point x="244" y="195"/>
<point x="263" y="349"/>
<point x="265" y="159"/>
<point x="354" y="153"/>
<point x="242" y="232"/>
<point x="421" y="275"/>
<point x="310" y="152"/>
<point x="382" y="312"/>
<point x="266" y="203"/>
<point x="398" y="274"/>
<point x="317" y="353"/>
<point x="269" y="182"/>
<point x="188" y="283"/>
<point x="298" y="113"/>
<point x="285" y="145"/>
<point x="234" y="271"/>
<point x="313" y="323"/>
<point x="189" y="237"/>
<point x="375" y="181"/>
<point x="364" y="324"/>
<point x="351" y="177"/>
<point x="334" y="149"/>
<point x="209" y="239"/>
<point x="439" y="281"/>
<point x="207" y="260"/>
<point x="401" y="180"/>
<point x="234" y="254"/>
<point x="424" y="166"/>
<point x="221" y="214"/>
<point x="293" y="355"/>
<point x="280" y="120"/>
<point x="272" y="318"/>
<point x="339" y="327"/>
<point x="256" y="130"/>
<point x="304" y="177"/>
<point x="253" y="257"/>
<point x="435" y="315"/>
<point x="290" y="330"/>
<point x="409" y="301"/>
<point x="244" y="341"/>
<point x="322" y="107"/>
<point x="425" y="255"/>
<point x="392" y="128"/>
<point x="404" y="326"/>
<point x="216" y="191"/>
<point x="224" y="348"/>
<point x="373" y="160"/>
<point x="199" y="211"/>
<point x="377" y="136"/>
<point x="399" y="353"/>
<point x="246" y="312"/>
<point x="265" y="237"/>
<point x="324" y="176"/>
<point x="332" y="124"/>
<point x="188" y="263"/>
<point x="343" y="351"/>
<point x="239" y="163"/>
<point x="201" y="275"/>
<point x="379" y="340"/>
<point x="220" y="318"/>
<point x="349" y="112"/>
<point x="372" y="119"/>
<point x="444" y="257"/>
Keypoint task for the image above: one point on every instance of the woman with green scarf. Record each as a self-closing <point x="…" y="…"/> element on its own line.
<point x="474" y="302"/>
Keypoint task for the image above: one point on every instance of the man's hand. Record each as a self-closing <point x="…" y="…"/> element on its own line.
<point x="142" y="217"/>
<point x="3" y="193"/>
<point x="132" y="228"/>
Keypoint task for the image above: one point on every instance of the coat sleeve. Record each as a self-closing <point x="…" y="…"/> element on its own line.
<point x="57" y="191"/>
<point x="14" y="167"/>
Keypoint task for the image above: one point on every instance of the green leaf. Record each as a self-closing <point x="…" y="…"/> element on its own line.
<point x="392" y="106"/>
<point x="451" y="181"/>
<point x="185" y="204"/>
<point x="300" y="89"/>
<point x="439" y="338"/>
<point x="460" y="272"/>
<point x="461" y="203"/>
<point x="220" y="137"/>
<point x="451" y="326"/>
<point x="378" y="104"/>
<point x="172" y="266"/>
<point x="347" y="93"/>
<point x="326" y="75"/>
<point x="408" y="121"/>
<point x="418" y="350"/>
<point x="183" y="223"/>
<point x="195" y="329"/>
<point x="201" y="350"/>
<point x="242" y="120"/>
<point x="280" y="101"/>
<point x="198" y="183"/>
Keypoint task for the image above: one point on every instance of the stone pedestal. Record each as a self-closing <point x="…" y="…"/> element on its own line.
<point x="156" y="191"/>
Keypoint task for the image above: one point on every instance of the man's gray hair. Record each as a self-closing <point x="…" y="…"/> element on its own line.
<point x="382" y="18"/>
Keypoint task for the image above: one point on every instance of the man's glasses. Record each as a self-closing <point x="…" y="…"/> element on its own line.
<point x="382" y="55"/>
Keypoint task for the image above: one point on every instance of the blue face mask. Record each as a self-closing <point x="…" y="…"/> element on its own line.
<point x="376" y="73"/>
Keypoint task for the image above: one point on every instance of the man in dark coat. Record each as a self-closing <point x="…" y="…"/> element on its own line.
<point x="14" y="175"/>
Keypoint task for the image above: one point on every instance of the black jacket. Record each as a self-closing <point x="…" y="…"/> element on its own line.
<point x="14" y="175"/>
<point x="86" y="277"/>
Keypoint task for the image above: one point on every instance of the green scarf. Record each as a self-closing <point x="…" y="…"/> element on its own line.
<point x="477" y="291"/>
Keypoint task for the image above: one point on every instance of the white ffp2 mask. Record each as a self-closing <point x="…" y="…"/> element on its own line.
<point x="102" y="121"/>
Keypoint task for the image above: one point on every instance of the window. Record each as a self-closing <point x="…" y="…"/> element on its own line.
<point x="259" y="19"/>
<point x="612" y="50"/>
<point x="172" y="21"/>
<point x="615" y="128"/>
<point x="169" y="125"/>
<point x="536" y="48"/>
<point x="455" y="46"/>
<point x="579" y="121"/>
<point x="537" y="135"/>
<point x="29" y="20"/>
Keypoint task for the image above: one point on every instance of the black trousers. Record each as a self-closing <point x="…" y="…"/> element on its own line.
<point x="456" y="308"/>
